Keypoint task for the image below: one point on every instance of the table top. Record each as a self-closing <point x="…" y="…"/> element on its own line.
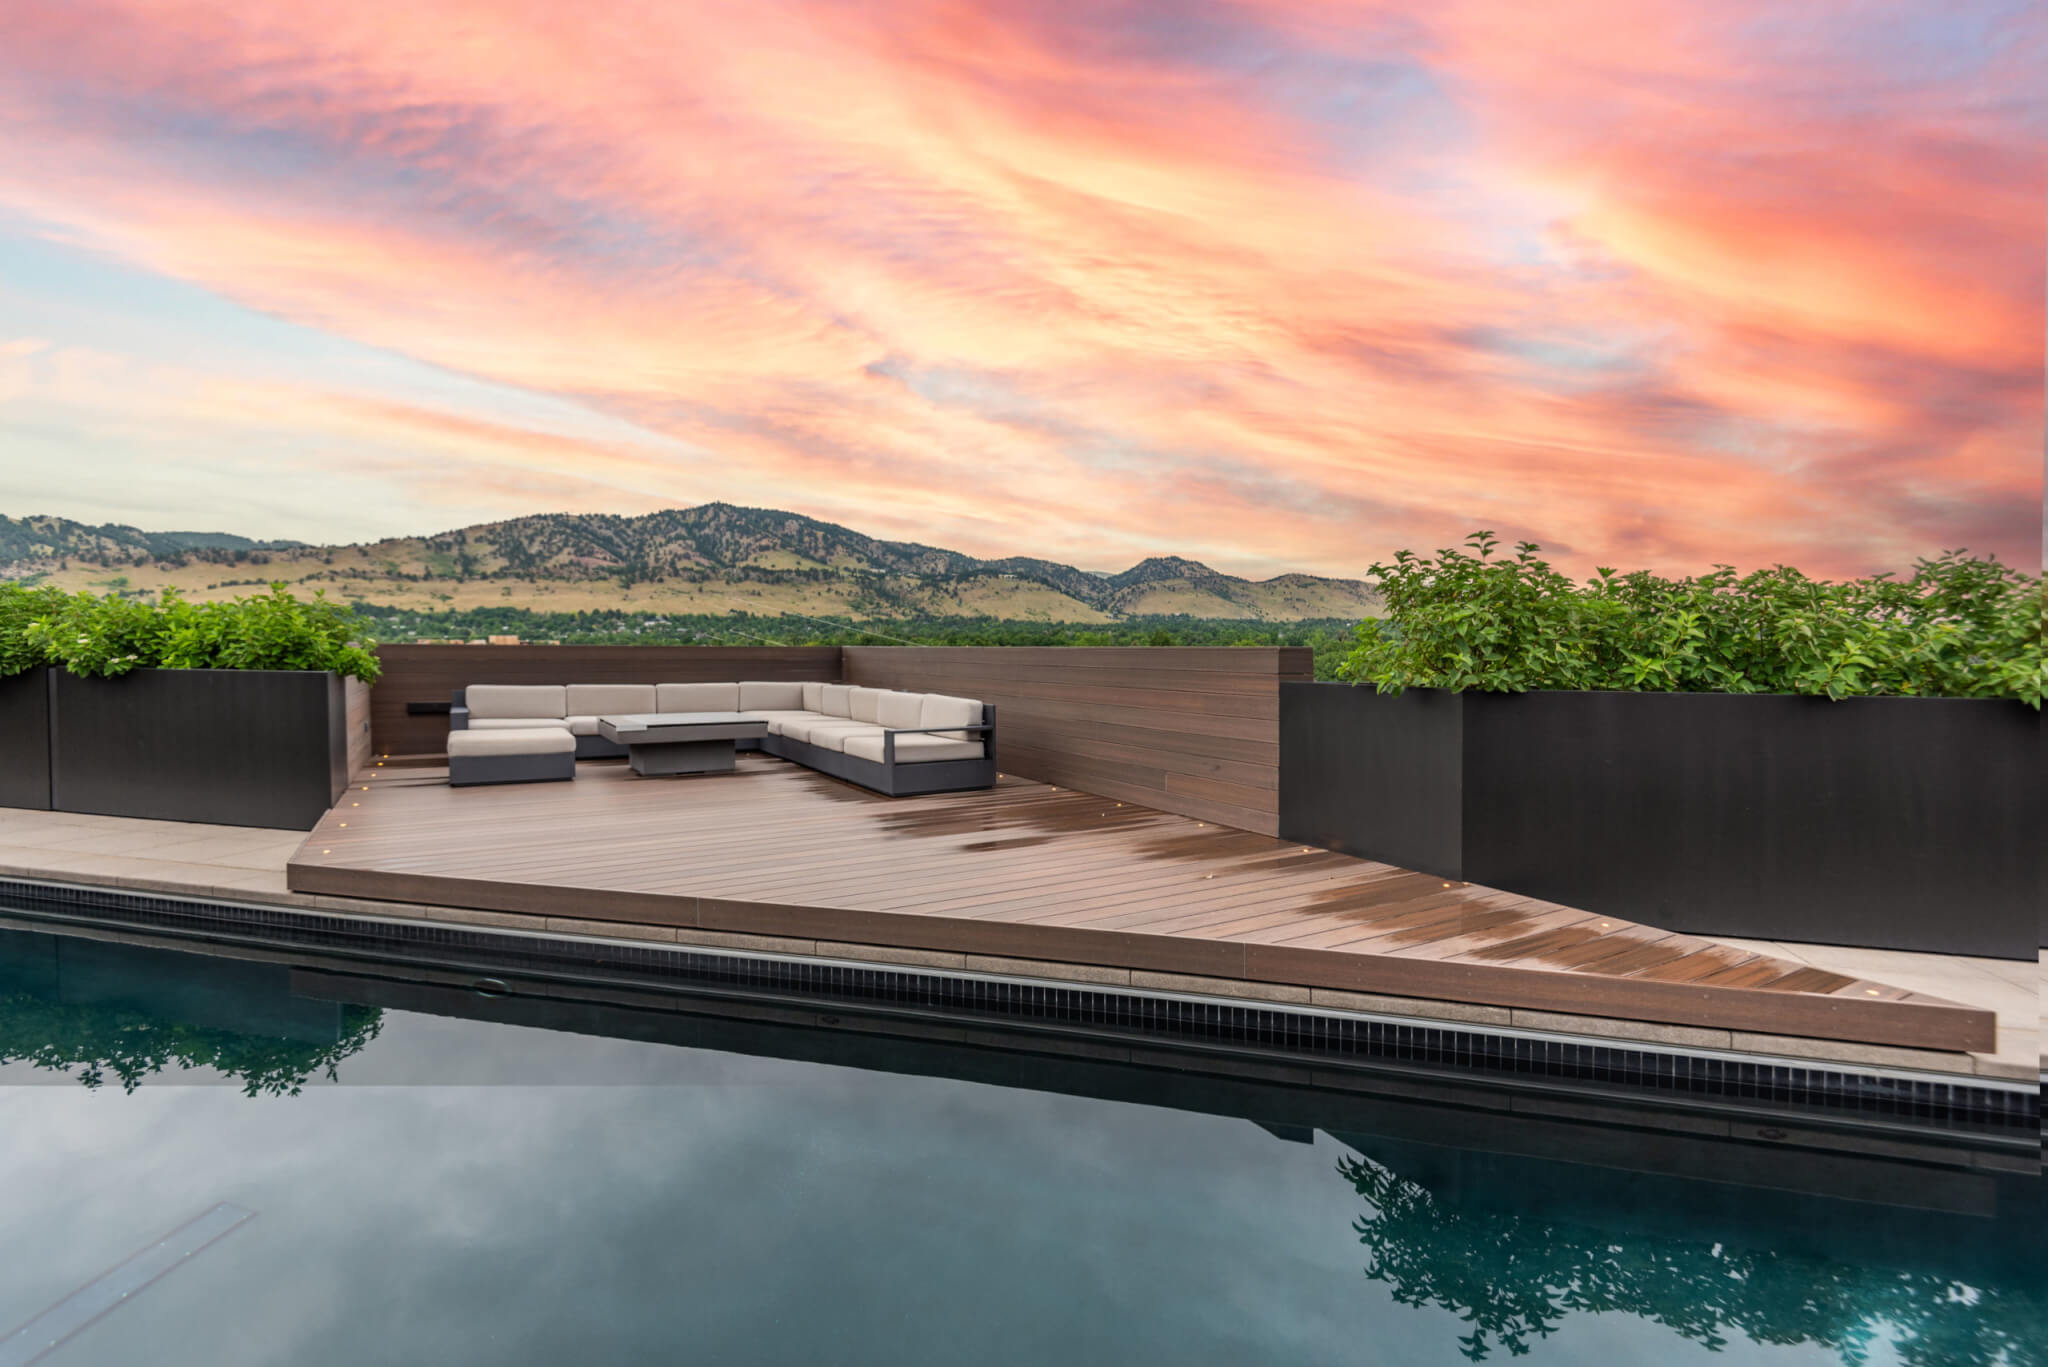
<point x="640" y="719"/>
<point x="651" y="727"/>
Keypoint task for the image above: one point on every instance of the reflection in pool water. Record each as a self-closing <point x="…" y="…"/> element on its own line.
<point x="502" y="1180"/>
<point x="1515" y="1279"/>
<point x="97" y="1010"/>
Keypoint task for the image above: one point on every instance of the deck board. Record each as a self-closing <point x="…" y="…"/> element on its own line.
<point x="1030" y="871"/>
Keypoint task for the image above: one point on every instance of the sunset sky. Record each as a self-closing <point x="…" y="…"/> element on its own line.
<point x="1273" y="284"/>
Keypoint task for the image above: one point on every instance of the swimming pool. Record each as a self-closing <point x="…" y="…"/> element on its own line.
<point x="369" y="1163"/>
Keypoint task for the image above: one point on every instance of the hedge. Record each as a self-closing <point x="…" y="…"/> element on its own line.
<point x="105" y="637"/>
<point x="1958" y="627"/>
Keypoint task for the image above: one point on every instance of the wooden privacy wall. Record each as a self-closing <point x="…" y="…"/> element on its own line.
<point x="356" y="723"/>
<point x="431" y="673"/>
<point x="1194" y="730"/>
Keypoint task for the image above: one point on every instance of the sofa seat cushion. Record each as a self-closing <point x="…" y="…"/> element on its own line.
<point x="551" y="740"/>
<point x="609" y="700"/>
<point x="804" y="727"/>
<point x="913" y="749"/>
<point x="517" y="724"/>
<point x="835" y="738"/>
<point x="516" y="700"/>
<point x="777" y="719"/>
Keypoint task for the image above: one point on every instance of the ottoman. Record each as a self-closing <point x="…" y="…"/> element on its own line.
<point x="538" y="755"/>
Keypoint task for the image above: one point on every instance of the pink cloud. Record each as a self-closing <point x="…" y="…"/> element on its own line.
<point x="1669" y="283"/>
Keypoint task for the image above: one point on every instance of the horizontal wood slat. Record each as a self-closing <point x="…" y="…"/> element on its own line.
<point x="1031" y="872"/>
<point x="1192" y="730"/>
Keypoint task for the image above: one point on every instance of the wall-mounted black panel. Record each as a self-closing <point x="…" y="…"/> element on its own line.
<point x="25" y="740"/>
<point x="1382" y="781"/>
<point x="1894" y="823"/>
<point x="238" y="747"/>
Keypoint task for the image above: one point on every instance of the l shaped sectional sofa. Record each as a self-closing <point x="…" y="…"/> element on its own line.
<point x="892" y="742"/>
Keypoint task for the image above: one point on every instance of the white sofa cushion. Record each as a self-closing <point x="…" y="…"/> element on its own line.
<point x="835" y="738"/>
<point x="515" y="700"/>
<point x="609" y="700"/>
<point x="697" y="697"/>
<point x="865" y="704"/>
<point x="776" y="720"/>
<point x="912" y="749"/>
<point x="771" y="697"/>
<point x="900" y="710"/>
<point x="516" y="724"/>
<point x="801" y="727"/>
<point x="835" y="700"/>
<point x="814" y="697"/>
<point x="542" y="740"/>
<point x="940" y="710"/>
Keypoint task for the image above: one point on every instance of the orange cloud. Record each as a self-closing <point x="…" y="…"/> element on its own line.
<point x="1283" y="285"/>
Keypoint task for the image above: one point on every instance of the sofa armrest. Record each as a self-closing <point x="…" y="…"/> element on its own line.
<point x="458" y="718"/>
<point x="889" y="736"/>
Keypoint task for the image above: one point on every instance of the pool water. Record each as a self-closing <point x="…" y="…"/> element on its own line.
<point x="452" y="1183"/>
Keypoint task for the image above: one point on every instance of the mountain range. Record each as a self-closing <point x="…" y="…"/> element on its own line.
<point x="713" y="558"/>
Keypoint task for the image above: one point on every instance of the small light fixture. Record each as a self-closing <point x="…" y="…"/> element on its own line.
<point x="1870" y="992"/>
<point x="344" y="825"/>
<point x="327" y="851"/>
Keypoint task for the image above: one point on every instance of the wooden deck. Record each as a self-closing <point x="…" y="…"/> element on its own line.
<point x="1031" y="871"/>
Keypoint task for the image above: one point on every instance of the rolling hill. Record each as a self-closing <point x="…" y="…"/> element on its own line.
<point x="709" y="559"/>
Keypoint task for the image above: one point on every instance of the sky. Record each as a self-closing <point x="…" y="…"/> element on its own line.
<point x="1274" y="284"/>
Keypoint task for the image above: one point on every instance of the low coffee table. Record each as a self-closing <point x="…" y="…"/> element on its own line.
<point x="681" y="742"/>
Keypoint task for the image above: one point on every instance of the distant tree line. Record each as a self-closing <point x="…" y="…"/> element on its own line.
<point x="1329" y="638"/>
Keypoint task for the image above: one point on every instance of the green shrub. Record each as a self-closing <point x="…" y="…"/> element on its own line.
<point x="105" y="637"/>
<point x="1959" y="627"/>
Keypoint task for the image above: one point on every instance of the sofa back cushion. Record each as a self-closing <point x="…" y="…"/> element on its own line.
<point x="771" y="697"/>
<point x="610" y="700"/>
<point x="814" y="697"/>
<point x="900" y="709"/>
<point x="940" y="710"/>
<point x="697" y="697"/>
<point x="865" y="704"/>
<point x="516" y="700"/>
<point x="835" y="700"/>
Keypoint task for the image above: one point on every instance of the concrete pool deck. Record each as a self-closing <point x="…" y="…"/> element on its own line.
<point x="249" y="865"/>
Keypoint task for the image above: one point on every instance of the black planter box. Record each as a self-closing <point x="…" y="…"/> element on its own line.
<point x="1892" y="823"/>
<point x="237" y="747"/>
<point x="25" y="739"/>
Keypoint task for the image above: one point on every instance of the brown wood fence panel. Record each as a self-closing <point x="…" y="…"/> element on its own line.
<point x="1192" y="730"/>
<point x="356" y="723"/>
<point x="432" y="673"/>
